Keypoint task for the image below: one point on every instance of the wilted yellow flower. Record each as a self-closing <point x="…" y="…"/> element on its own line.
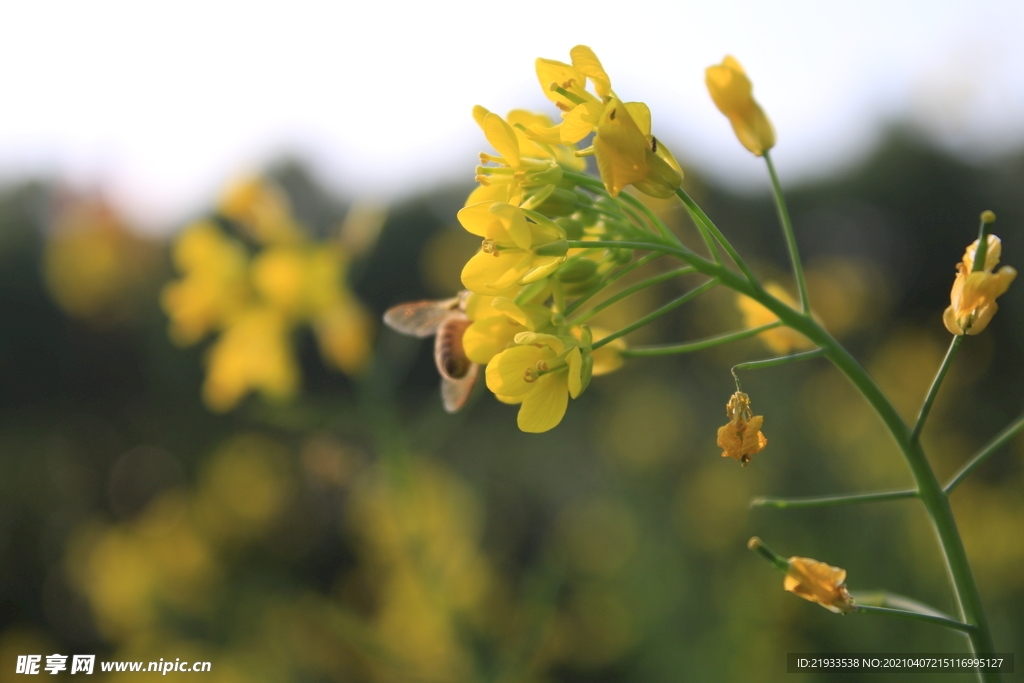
<point x="741" y="437"/>
<point x="973" y="297"/>
<point x="782" y="339"/>
<point x="820" y="583"/>
<point x="509" y="253"/>
<point x="732" y="92"/>
<point x="540" y="373"/>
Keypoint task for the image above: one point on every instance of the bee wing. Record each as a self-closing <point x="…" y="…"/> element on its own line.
<point x="419" y="318"/>
<point x="455" y="392"/>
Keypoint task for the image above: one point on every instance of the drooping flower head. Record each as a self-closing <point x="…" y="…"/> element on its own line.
<point x="974" y="293"/>
<point x="741" y="437"/>
<point x="732" y="93"/>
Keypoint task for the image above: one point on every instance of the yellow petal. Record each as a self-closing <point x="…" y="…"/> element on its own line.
<point x="575" y="378"/>
<point x="552" y="71"/>
<point x="621" y="149"/>
<point x="513" y="220"/>
<point x="580" y="122"/>
<point x="502" y="137"/>
<point x="506" y="372"/>
<point x="479" y="113"/>
<point x="587" y="63"/>
<point x="732" y="93"/>
<point x="488" y="337"/>
<point x="493" y="273"/>
<point x="545" y="406"/>
<point x="641" y="114"/>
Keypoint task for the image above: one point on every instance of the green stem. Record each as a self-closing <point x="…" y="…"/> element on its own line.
<point x="733" y="254"/>
<point x="994" y="445"/>
<point x="699" y="345"/>
<point x="926" y="407"/>
<point x="969" y="629"/>
<point x="773" y="558"/>
<point x="610" y="279"/>
<point x="658" y="224"/>
<point x="787" y="231"/>
<point x="709" y="240"/>
<point x="675" y="303"/>
<point x="883" y="598"/>
<point x="772" y="362"/>
<point x="826" y="501"/>
<point x="932" y="495"/>
<point x="649" y="282"/>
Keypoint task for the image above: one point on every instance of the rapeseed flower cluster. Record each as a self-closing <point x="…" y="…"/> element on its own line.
<point x="533" y="200"/>
<point x="249" y="276"/>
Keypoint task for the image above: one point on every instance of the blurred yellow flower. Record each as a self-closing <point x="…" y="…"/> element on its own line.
<point x="732" y="92"/>
<point x="783" y="339"/>
<point x="262" y="209"/>
<point x="741" y="437"/>
<point x="214" y="283"/>
<point x="818" y="582"/>
<point x="256" y="302"/>
<point x="541" y="372"/>
<point x="253" y="353"/>
<point x="95" y="267"/>
<point x="973" y="297"/>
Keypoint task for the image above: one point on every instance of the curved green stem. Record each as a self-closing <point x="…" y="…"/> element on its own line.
<point x="926" y="407"/>
<point x="649" y="282"/>
<point x="703" y="217"/>
<point x="994" y="445"/>
<point x="930" y="491"/>
<point x="772" y="362"/>
<point x="826" y="501"/>
<point x="675" y="303"/>
<point x="699" y="345"/>
<point x="787" y="231"/>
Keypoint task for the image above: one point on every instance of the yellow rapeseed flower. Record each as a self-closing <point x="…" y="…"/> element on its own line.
<point x="489" y="335"/>
<point x="973" y="297"/>
<point x="741" y="437"/>
<point x="509" y="252"/>
<point x="626" y="151"/>
<point x="732" y="92"/>
<point x="818" y="582"/>
<point x="540" y="373"/>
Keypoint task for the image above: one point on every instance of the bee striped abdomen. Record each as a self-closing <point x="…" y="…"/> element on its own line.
<point x="448" y="351"/>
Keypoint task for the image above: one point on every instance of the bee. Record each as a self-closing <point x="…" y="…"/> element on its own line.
<point x="446" y="319"/>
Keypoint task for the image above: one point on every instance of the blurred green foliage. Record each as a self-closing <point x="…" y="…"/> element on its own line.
<point x="361" y="534"/>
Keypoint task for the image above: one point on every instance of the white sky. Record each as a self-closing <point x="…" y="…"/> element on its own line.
<point x="159" y="103"/>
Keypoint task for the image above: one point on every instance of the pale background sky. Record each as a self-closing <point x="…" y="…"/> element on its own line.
<point x="158" y="104"/>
